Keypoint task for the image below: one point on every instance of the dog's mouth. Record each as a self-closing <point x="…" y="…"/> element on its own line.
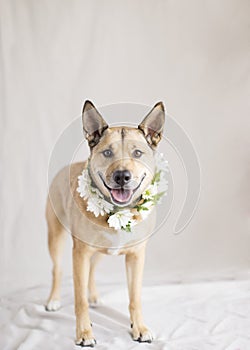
<point x="121" y="195"/>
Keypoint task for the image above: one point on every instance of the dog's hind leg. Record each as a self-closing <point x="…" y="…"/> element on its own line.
<point x="93" y="294"/>
<point x="56" y="240"/>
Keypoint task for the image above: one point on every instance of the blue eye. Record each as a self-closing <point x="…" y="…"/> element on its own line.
<point x="137" y="153"/>
<point x="107" y="153"/>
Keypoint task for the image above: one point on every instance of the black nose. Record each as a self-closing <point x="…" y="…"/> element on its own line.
<point x="121" y="177"/>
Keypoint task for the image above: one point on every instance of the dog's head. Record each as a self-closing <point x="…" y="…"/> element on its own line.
<point x="122" y="161"/>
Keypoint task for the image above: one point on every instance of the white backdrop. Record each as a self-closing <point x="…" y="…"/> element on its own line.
<point x="193" y="55"/>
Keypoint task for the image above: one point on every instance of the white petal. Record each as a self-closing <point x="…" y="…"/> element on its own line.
<point x="113" y="221"/>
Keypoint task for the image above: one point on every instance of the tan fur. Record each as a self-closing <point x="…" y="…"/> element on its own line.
<point x="66" y="210"/>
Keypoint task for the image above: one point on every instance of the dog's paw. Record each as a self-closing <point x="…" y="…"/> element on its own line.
<point x="142" y="334"/>
<point x="95" y="302"/>
<point x="86" y="342"/>
<point x="86" y="339"/>
<point x="53" y="305"/>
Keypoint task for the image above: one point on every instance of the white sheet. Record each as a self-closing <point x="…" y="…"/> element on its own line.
<point x="204" y="316"/>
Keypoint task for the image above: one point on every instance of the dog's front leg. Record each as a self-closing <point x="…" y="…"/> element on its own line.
<point x="134" y="269"/>
<point x="81" y="266"/>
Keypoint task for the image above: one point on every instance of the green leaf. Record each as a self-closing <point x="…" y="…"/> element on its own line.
<point x="157" y="196"/>
<point x="127" y="228"/>
<point x="141" y="207"/>
<point x="157" y="177"/>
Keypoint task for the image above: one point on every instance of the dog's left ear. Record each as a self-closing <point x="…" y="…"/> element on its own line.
<point x="152" y="125"/>
<point x="93" y="123"/>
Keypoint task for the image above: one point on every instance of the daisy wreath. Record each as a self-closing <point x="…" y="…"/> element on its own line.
<point x="125" y="219"/>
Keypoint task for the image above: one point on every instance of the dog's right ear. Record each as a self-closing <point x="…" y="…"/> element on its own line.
<point x="93" y="123"/>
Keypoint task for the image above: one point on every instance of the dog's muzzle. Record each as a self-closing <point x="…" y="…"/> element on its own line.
<point x="121" y="192"/>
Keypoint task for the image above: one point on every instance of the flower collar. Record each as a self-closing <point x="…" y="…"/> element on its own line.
<point x="125" y="218"/>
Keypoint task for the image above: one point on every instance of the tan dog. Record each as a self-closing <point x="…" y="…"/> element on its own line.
<point x="121" y="166"/>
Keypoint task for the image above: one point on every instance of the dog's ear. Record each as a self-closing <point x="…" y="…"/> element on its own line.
<point x="152" y="125"/>
<point x="93" y="123"/>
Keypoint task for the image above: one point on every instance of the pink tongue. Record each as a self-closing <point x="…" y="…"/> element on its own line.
<point x="121" y="195"/>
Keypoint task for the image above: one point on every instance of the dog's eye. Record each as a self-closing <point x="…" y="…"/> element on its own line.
<point x="137" y="153"/>
<point x="107" y="153"/>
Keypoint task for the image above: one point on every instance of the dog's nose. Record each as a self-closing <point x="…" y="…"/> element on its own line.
<point x="121" y="177"/>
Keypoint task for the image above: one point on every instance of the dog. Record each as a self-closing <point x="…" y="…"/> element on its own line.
<point x="120" y="167"/>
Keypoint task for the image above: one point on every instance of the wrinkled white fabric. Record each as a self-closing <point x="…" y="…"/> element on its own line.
<point x="207" y="316"/>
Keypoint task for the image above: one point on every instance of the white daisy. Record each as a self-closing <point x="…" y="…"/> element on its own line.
<point x="99" y="206"/>
<point x="107" y="207"/>
<point x="145" y="209"/>
<point x="161" y="163"/>
<point x="163" y="184"/>
<point x="150" y="191"/>
<point x="84" y="184"/>
<point x="121" y="219"/>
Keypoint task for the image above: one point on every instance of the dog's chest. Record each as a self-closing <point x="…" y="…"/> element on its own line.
<point x="109" y="241"/>
<point x="113" y="251"/>
<point x="120" y="240"/>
